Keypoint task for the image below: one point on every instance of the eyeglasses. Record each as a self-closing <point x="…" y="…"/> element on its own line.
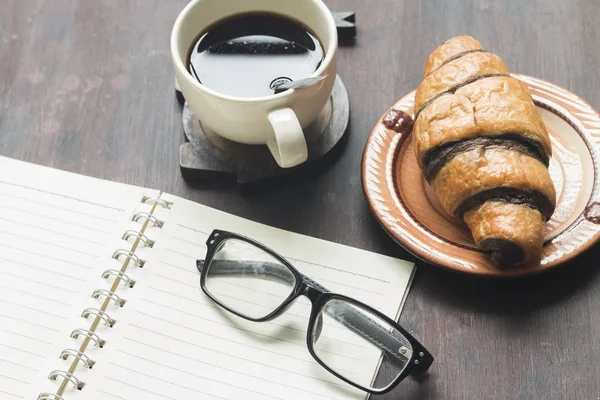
<point x="254" y="282"/>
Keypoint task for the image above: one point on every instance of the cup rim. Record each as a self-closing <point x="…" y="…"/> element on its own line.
<point x="177" y="59"/>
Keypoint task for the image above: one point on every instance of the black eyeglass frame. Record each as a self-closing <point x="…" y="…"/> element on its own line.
<point x="419" y="362"/>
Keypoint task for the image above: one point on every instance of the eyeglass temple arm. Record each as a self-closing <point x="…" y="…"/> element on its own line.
<point x="343" y="313"/>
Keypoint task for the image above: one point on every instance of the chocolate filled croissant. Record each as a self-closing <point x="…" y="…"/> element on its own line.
<point x="483" y="147"/>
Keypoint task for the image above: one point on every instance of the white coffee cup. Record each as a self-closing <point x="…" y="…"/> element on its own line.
<point x="278" y="120"/>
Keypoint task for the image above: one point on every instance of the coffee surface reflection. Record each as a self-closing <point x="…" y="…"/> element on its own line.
<point x="248" y="54"/>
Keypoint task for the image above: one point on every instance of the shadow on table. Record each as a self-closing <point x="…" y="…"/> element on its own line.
<point x="514" y="305"/>
<point x="514" y="296"/>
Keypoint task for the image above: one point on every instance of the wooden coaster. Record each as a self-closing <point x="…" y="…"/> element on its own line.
<point x="208" y="156"/>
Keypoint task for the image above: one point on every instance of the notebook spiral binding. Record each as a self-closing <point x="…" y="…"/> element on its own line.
<point x="87" y="362"/>
<point x="129" y="258"/>
<point x="88" y="334"/>
<point x="123" y="276"/>
<point x="57" y="373"/>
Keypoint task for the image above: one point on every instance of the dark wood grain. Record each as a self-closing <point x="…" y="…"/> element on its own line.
<point x="87" y="86"/>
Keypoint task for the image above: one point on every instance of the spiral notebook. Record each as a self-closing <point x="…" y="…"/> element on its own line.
<point x="100" y="298"/>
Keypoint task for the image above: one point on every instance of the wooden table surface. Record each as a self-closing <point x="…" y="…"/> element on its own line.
<point x="87" y="86"/>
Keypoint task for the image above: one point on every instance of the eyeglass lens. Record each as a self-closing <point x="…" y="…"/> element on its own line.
<point x="341" y="325"/>
<point x="247" y="279"/>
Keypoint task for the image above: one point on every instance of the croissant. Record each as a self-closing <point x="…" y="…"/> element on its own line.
<point x="483" y="147"/>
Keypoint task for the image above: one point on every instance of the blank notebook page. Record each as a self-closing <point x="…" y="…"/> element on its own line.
<point x="55" y="230"/>
<point x="175" y="343"/>
<point x="58" y="234"/>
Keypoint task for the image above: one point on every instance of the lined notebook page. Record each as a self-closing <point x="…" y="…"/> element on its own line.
<point x="177" y="344"/>
<point x="55" y="230"/>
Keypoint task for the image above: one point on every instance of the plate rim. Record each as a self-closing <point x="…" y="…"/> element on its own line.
<point x="590" y="136"/>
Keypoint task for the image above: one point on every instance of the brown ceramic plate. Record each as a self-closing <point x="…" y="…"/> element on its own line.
<point x="408" y="210"/>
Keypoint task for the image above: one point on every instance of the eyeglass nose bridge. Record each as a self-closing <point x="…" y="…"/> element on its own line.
<point x="311" y="289"/>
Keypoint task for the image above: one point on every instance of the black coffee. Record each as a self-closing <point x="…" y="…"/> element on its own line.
<point x="248" y="54"/>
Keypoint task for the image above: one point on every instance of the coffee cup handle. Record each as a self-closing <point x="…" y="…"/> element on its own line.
<point x="287" y="143"/>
